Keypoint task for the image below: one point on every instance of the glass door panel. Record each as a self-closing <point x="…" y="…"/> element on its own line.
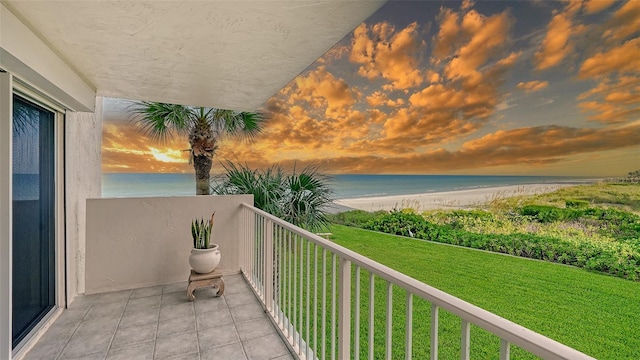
<point x="33" y="216"/>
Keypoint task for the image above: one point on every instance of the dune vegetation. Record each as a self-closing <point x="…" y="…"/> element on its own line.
<point x="596" y="227"/>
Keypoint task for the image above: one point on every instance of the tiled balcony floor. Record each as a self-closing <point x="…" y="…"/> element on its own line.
<point x="160" y="323"/>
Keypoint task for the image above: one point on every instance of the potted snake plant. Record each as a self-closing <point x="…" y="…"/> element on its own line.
<point x="204" y="256"/>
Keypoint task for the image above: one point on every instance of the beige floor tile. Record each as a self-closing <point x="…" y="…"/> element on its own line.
<point x="140" y="351"/>
<point x="148" y="302"/>
<point x="180" y="286"/>
<point x="177" y="311"/>
<point x="218" y="336"/>
<point x="226" y="352"/>
<point x="173" y="346"/>
<point x="135" y="334"/>
<point x="139" y="317"/>
<point x="264" y="348"/>
<point x="246" y="312"/>
<point x="176" y="326"/>
<point x="211" y="319"/>
<point x="209" y="304"/>
<point x="242" y="298"/>
<point x="255" y="328"/>
<point x="82" y="344"/>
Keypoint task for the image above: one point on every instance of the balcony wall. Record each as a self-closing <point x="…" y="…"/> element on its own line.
<point x="136" y="242"/>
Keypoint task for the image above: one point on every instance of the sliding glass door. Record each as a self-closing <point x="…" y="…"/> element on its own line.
<point x="33" y="215"/>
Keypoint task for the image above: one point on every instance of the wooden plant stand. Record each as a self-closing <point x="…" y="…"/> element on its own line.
<point x="197" y="281"/>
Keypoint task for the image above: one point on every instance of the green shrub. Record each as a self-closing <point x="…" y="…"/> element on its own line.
<point x="401" y="223"/>
<point x="355" y="218"/>
<point x="577" y="204"/>
<point x="616" y="258"/>
<point x="544" y="213"/>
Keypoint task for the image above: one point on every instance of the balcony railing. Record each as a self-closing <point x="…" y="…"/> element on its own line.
<point x="305" y="284"/>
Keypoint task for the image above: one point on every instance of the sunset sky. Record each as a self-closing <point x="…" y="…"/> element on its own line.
<point x="447" y="87"/>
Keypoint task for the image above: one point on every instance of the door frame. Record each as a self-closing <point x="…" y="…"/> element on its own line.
<point x="9" y="85"/>
<point x="6" y="212"/>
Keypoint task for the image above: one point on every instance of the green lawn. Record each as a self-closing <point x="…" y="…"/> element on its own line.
<point x="594" y="313"/>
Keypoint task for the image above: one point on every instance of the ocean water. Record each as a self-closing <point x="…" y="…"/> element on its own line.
<point x="145" y="185"/>
<point x="345" y="186"/>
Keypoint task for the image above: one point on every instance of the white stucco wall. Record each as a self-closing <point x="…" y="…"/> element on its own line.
<point x="30" y="59"/>
<point x="83" y="175"/>
<point x="136" y="242"/>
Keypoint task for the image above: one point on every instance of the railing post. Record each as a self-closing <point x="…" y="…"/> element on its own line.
<point x="242" y="236"/>
<point x="389" y="320"/>
<point x="465" y="341"/>
<point x="250" y="245"/>
<point x="505" y="351"/>
<point x="409" y="328"/>
<point x="434" y="332"/>
<point x="356" y="319"/>
<point x="268" y="265"/>
<point x="372" y="285"/>
<point x="344" y="300"/>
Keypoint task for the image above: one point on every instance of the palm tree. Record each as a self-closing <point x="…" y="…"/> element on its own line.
<point x="204" y="127"/>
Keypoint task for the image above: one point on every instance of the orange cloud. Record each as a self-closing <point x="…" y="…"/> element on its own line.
<point x="613" y="112"/>
<point x="466" y="4"/>
<point x="532" y="85"/>
<point x="298" y="127"/>
<point x="614" y="100"/>
<point x="483" y="36"/>
<point x="378" y="98"/>
<point x="447" y="36"/>
<point x="437" y="98"/>
<point x="534" y="146"/>
<point x="616" y="97"/>
<point x="625" y="22"/>
<point x="447" y="108"/>
<point x="335" y="53"/>
<point x="321" y="89"/>
<point x="383" y="52"/>
<point x="625" y="58"/>
<point x="555" y="46"/>
<point x="544" y="142"/>
<point x="456" y="104"/>
<point x="595" y="6"/>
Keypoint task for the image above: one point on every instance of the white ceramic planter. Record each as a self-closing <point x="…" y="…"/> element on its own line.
<point x="204" y="261"/>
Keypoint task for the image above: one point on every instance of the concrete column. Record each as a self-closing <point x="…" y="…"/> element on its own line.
<point x="83" y="178"/>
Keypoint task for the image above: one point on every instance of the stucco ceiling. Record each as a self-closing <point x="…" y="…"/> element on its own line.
<point x="227" y="54"/>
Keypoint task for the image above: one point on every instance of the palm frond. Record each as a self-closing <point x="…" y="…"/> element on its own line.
<point x="159" y="120"/>
<point x="244" y="124"/>
<point x="309" y="194"/>
<point x="299" y="198"/>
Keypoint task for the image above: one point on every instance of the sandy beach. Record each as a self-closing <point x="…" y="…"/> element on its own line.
<point x="461" y="199"/>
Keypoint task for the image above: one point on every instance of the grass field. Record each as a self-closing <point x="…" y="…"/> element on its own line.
<point x="596" y="314"/>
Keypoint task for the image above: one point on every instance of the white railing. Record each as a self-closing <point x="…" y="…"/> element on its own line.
<point x="305" y="284"/>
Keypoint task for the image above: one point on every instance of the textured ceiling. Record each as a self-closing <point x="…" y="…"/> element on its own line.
<point x="227" y="54"/>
